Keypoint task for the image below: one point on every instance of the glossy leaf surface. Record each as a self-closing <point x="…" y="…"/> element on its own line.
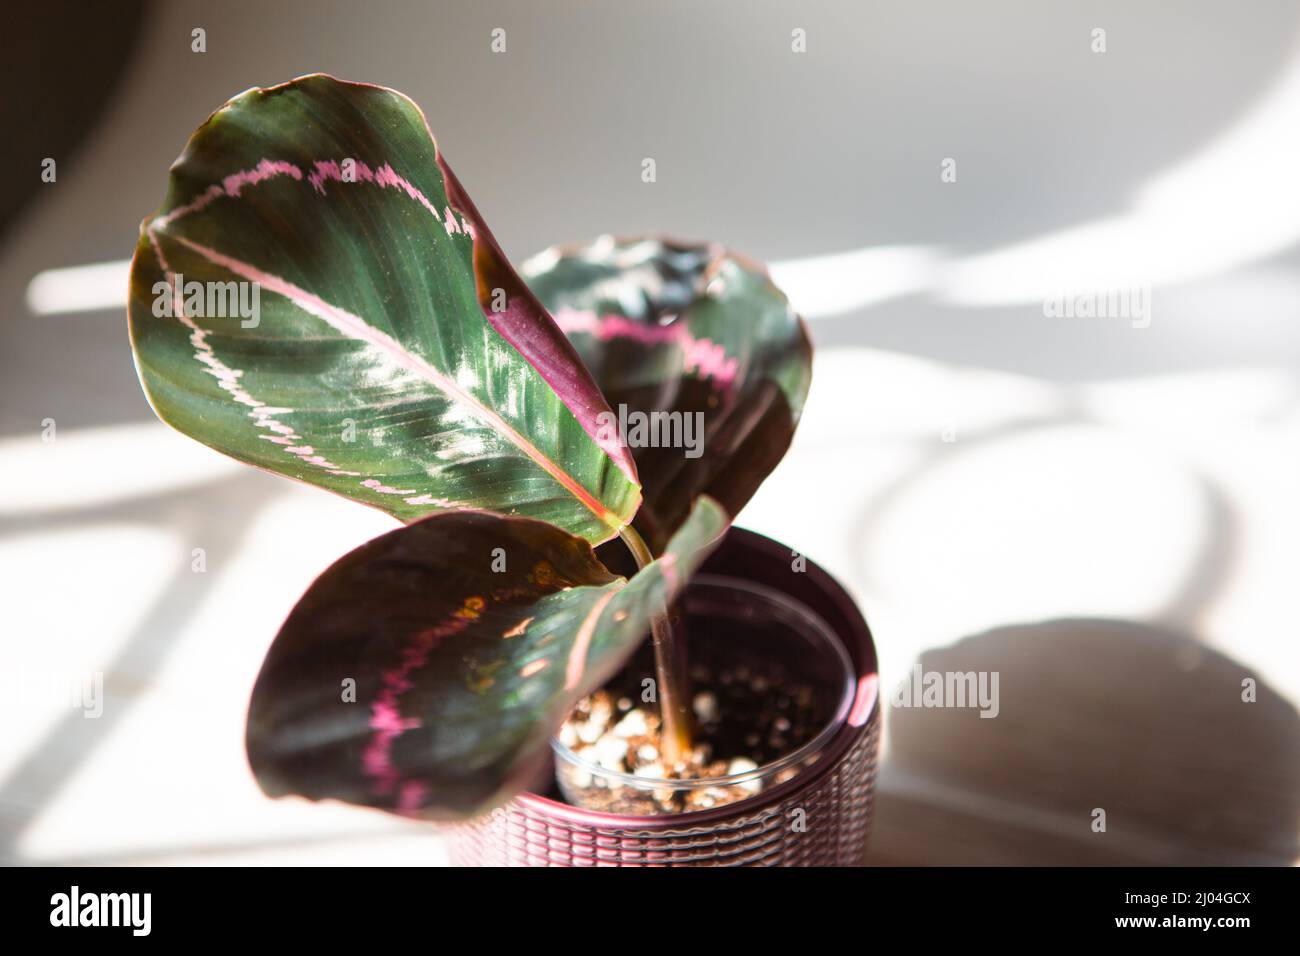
<point x="694" y="332"/>
<point x="318" y="297"/>
<point x="425" y="672"/>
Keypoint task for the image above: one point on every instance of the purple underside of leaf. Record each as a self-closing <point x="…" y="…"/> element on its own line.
<point x="544" y="344"/>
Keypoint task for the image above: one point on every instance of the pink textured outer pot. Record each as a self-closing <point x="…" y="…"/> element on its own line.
<point x="835" y="794"/>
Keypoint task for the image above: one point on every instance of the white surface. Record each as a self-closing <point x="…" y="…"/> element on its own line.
<point x="1047" y="503"/>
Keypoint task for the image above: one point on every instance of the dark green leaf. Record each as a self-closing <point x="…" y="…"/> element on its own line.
<point x="468" y="637"/>
<point x="384" y="364"/>
<point x="693" y="331"/>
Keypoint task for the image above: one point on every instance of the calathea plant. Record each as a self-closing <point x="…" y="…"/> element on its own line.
<point x="397" y="359"/>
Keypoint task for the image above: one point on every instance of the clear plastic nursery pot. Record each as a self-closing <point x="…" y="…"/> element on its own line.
<point x="810" y="807"/>
<point x="751" y="647"/>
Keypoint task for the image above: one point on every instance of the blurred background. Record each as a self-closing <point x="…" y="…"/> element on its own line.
<point x="1103" y="509"/>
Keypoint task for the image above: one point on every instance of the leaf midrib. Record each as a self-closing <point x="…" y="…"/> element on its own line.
<point x="357" y="328"/>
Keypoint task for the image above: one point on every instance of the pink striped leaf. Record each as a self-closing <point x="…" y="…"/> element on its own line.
<point x="425" y="672"/>
<point x="318" y="296"/>
<point x="701" y="358"/>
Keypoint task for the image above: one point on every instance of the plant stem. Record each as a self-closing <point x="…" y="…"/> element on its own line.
<point x="671" y="676"/>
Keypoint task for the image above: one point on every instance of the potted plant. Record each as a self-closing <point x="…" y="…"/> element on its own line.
<point x="564" y="649"/>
